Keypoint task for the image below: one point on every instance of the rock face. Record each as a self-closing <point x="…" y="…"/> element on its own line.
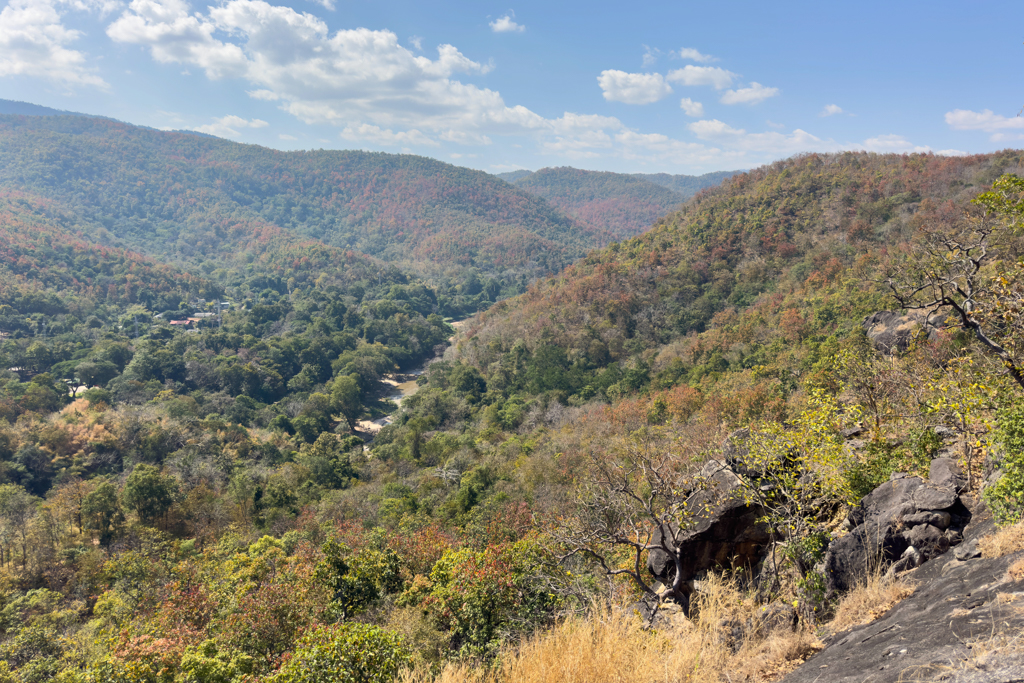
<point x="726" y="532"/>
<point x="903" y="523"/>
<point x="935" y="633"/>
<point x="891" y="332"/>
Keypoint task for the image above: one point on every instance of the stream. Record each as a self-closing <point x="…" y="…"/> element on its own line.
<point x="403" y="386"/>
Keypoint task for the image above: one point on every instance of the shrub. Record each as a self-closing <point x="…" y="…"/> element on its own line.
<point x="1005" y="498"/>
<point x="346" y="653"/>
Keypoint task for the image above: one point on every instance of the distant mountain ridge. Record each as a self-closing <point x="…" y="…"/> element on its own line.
<point x="169" y="194"/>
<point x="623" y="204"/>
<point x="17" y="108"/>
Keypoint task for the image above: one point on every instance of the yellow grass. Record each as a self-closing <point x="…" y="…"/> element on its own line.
<point x="869" y="601"/>
<point x="612" y="646"/>
<point x="1007" y="540"/>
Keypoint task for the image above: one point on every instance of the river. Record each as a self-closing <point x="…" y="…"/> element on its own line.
<point x="402" y="387"/>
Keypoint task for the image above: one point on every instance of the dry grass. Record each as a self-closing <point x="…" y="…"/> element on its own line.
<point x="612" y="646"/>
<point x="1007" y="540"/>
<point x="869" y="601"/>
<point x="1016" y="570"/>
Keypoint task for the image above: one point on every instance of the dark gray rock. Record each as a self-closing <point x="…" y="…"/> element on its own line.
<point x="725" y="533"/>
<point x="852" y="557"/>
<point x="967" y="551"/>
<point x="927" y="539"/>
<point x="926" y="636"/>
<point x="940" y="519"/>
<point x="934" y="498"/>
<point x="945" y="473"/>
<point x="891" y="332"/>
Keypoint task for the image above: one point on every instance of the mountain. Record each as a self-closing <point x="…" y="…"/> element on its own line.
<point x="687" y="185"/>
<point x="185" y="196"/>
<point x="622" y="204"/>
<point x="512" y="176"/>
<point x="761" y="271"/>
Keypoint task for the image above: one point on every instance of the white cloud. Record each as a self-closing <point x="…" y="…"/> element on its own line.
<point x="651" y="55"/>
<point x="987" y="120"/>
<point x="367" y="133"/>
<point x="691" y="108"/>
<point x="619" y="86"/>
<point x="702" y="75"/>
<point x="34" y="42"/>
<point x="772" y="143"/>
<point x="892" y="144"/>
<point x="285" y="136"/>
<point x="227" y="126"/>
<point x="752" y="94"/>
<point x="416" y="42"/>
<point x="322" y="77"/>
<point x="695" y="55"/>
<point x="772" y="124"/>
<point x="831" y="110"/>
<point x="326" y="4"/>
<point x="506" y="24"/>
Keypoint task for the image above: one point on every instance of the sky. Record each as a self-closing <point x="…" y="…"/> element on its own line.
<point x="674" y="87"/>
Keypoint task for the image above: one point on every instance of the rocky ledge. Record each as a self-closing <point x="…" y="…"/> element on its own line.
<point x="963" y="624"/>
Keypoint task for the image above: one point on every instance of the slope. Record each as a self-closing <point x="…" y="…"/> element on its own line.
<point x="759" y="278"/>
<point x="621" y="204"/>
<point x="175" y="193"/>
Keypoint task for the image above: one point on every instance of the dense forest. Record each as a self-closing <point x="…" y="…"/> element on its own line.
<point x="190" y="341"/>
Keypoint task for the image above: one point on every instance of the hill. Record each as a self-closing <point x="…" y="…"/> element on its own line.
<point x="769" y="269"/>
<point x="687" y="185"/>
<point x="173" y="192"/>
<point x="622" y="204"/>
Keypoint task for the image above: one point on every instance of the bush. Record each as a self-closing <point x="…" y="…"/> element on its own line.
<point x="347" y="653"/>
<point x="1005" y="498"/>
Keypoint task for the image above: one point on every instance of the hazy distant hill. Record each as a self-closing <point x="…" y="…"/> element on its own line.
<point x="687" y="185"/>
<point x="622" y="204"/>
<point x="512" y="176"/>
<point x="182" y="195"/>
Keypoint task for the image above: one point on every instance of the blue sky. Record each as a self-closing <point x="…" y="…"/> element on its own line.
<point x="679" y="87"/>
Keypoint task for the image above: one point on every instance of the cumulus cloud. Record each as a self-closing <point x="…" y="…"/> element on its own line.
<point x="695" y="55"/>
<point x="893" y="144"/>
<point x="506" y="24"/>
<point x="227" y="126"/>
<point x="359" y="75"/>
<point x="691" y="108"/>
<point x="987" y="121"/>
<point x="285" y="136"/>
<point x="752" y="94"/>
<point x="702" y="75"/>
<point x="35" y="42"/>
<point x="619" y="86"/>
<point x="326" y="4"/>
<point x="831" y="110"/>
<point x="772" y="143"/>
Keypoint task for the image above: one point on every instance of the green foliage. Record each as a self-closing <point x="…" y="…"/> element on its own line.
<point x="1006" y="497"/>
<point x="346" y="653"/>
<point x="148" y="492"/>
<point x="355" y="580"/>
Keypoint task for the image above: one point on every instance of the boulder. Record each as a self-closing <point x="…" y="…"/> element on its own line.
<point x="945" y="473"/>
<point x="891" y="332"/>
<point x="903" y="522"/>
<point x="930" y="497"/>
<point x="725" y="531"/>
<point x="940" y="519"/>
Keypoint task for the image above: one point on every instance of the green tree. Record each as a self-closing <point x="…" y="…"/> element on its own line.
<point x="149" y="493"/>
<point x="345" y="653"/>
<point x="101" y="512"/>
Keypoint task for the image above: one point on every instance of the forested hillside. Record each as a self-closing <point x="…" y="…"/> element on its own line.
<point x="181" y="195"/>
<point x="620" y="204"/>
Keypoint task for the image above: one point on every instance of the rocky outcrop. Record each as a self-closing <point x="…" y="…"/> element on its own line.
<point x="899" y="525"/>
<point x="891" y="332"/>
<point x="725" y="531"/>
<point x="958" y="610"/>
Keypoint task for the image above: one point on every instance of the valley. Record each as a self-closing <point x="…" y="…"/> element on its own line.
<point x="455" y="426"/>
